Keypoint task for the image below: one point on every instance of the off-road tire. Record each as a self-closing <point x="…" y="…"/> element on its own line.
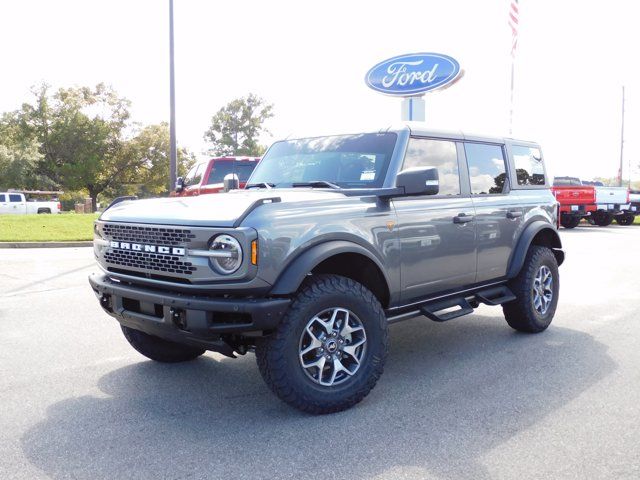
<point x="277" y="354"/>
<point x="626" y="219"/>
<point x="159" y="349"/>
<point x="521" y="314"/>
<point x="602" y="219"/>
<point x="568" y="221"/>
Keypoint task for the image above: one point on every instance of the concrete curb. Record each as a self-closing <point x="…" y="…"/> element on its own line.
<point x="45" y="244"/>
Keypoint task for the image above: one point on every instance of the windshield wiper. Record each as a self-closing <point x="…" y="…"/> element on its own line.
<point x="266" y="185"/>
<point x="316" y="184"/>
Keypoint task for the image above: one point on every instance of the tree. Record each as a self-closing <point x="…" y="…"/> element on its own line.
<point x="18" y="157"/>
<point x="236" y="127"/>
<point x="150" y="176"/>
<point x="80" y="132"/>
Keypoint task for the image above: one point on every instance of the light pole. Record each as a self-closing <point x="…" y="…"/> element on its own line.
<point x="622" y="143"/>
<point x="173" y="164"/>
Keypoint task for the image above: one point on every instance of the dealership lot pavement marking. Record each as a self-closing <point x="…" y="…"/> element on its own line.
<point x="465" y="399"/>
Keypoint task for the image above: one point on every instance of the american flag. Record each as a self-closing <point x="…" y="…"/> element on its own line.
<point x="514" y="18"/>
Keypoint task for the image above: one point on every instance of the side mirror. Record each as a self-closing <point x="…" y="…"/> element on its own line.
<point x="419" y="181"/>
<point x="179" y="184"/>
<point x="231" y="182"/>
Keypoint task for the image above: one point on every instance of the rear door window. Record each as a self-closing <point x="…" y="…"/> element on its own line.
<point x="487" y="171"/>
<point x="221" y="169"/>
<point x="15" y="198"/>
<point x="529" y="167"/>
<point x="440" y="154"/>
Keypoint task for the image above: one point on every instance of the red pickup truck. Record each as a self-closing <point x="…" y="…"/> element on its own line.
<point x="208" y="177"/>
<point x="576" y="200"/>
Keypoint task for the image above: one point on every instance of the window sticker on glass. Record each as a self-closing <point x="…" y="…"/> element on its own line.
<point x="369" y="175"/>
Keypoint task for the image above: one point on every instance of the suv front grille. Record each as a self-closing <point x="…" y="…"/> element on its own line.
<point x="149" y="261"/>
<point x="170" y="237"/>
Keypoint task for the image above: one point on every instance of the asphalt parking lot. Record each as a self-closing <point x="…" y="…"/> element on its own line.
<point x="465" y="399"/>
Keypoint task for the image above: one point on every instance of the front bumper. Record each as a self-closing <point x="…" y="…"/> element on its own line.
<point x="197" y="320"/>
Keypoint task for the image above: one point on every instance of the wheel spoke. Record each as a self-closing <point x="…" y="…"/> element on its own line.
<point x="355" y="344"/>
<point x="316" y="362"/>
<point x="347" y="329"/>
<point x="312" y="334"/>
<point x="537" y="302"/>
<point x="328" y="325"/>
<point x="315" y="343"/>
<point x="351" y="351"/>
<point x="337" y="368"/>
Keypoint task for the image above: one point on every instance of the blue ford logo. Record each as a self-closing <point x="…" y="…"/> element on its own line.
<point x="411" y="74"/>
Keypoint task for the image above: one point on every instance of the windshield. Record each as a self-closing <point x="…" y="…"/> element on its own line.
<point x="349" y="161"/>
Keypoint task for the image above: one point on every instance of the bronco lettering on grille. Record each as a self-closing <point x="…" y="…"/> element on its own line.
<point x="139" y="247"/>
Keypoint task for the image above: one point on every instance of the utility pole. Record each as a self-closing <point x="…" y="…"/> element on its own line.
<point x="622" y="143"/>
<point x="173" y="163"/>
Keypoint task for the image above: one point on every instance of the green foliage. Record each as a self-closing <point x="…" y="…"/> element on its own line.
<point x="77" y="139"/>
<point x="150" y="174"/>
<point x="235" y="129"/>
<point x="19" y="157"/>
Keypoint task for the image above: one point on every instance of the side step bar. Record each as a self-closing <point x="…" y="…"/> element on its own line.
<point x="431" y="311"/>
<point x="495" y="296"/>
<point x="441" y="310"/>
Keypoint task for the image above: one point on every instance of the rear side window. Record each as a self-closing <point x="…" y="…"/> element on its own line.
<point x="528" y="163"/>
<point x="440" y="154"/>
<point x="221" y="169"/>
<point x="15" y="198"/>
<point x="487" y="171"/>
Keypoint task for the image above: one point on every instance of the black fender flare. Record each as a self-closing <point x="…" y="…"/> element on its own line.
<point x="294" y="274"/>
<point x="530" y="231"/>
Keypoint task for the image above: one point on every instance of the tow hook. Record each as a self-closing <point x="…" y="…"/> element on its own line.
<point x="105" y="302"/>
<point x="179" y="318"/>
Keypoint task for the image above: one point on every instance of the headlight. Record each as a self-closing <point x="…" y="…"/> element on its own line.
<point x="228" y="256"/>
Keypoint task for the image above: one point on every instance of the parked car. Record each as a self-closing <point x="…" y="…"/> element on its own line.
<point x="333" y="239"/>
<point x="634" y="209"/>
<point x="611" y="202"/>
<point x="577" y="201"/>
<point x="17" y="204"/>
<point x="208" y="177"/>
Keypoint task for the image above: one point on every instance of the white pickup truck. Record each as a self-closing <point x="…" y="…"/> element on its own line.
<point x="610" y="202"/>
<point x="17" y="204"/>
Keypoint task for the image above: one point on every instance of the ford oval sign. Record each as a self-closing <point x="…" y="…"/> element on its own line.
<point x="415" y="73"/>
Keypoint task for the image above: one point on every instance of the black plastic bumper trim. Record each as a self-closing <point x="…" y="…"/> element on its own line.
<point x="199" y="312"/>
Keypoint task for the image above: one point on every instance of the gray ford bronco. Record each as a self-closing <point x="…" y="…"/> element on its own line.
<point x="333" y="239"/>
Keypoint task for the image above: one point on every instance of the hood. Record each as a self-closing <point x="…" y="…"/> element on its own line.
<point x="216" y="210"/>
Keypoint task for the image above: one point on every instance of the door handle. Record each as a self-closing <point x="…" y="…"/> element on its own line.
<point x="511" y="214"/>
<point x="463" y="218"/>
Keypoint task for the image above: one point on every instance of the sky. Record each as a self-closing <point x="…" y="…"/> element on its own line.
<point x="309" y="59"/>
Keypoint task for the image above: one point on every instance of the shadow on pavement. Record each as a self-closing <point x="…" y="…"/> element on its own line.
<point x="449" y="395"/>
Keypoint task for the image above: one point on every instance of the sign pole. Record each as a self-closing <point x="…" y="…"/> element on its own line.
<point x="511" y="100"/>
<point x="412" y="109"/>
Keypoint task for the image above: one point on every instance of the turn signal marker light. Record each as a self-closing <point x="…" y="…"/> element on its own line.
<point x="254" y="252"/>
